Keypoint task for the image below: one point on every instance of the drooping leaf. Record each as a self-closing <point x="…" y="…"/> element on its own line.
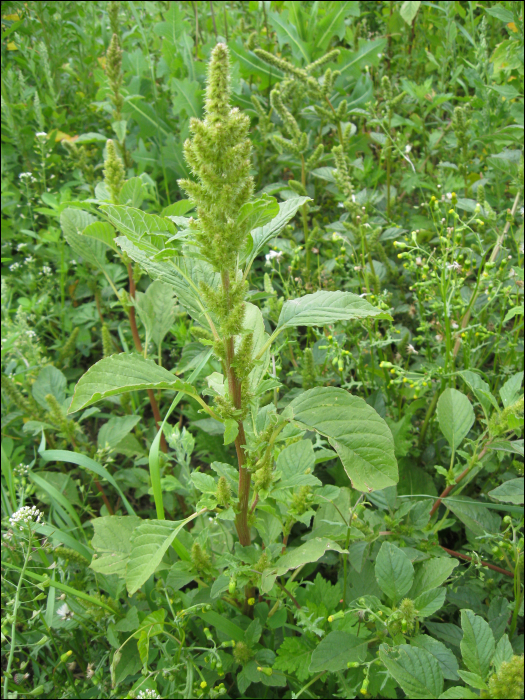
<point x="394" y="571"/>
<point x="323" y="308"/>
<point x="480" y="389"/>
<point x="511" y="390"/>
<point x="416" y="670"/>
<point x="149" y="543"/>
<point x="455" y="415"/>
<point x="121" y="373"/>
<point x="355" y="430"/>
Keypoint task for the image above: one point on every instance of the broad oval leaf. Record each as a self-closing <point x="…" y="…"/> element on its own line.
<point x="149" y="543"/>
<point x="120" y="373"/>
<point x="264" y="234"/>
<point x="478" y="643"/>
<point x="336" y="650"/>
<point x="73" y="223"/>
<point x="355" y="430"/>
<point x="416" y="670"/>
<point x="322" y="308"/>
<point x="455" y="415"/>
<point x="394" y="571"/>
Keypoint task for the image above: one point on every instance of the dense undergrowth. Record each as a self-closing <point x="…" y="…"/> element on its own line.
<point x="262" y="349"/>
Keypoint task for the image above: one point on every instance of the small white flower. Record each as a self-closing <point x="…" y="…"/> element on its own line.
<point x="21" y="246"/>
<point x="454" y="325"/>
<point x="46" y="270"/>
<point x="30" y="259"/>
<point x="341" y="205"/>
<point x="26" y="514"/>
<point x="274" y="255"/>
<point x="408" y="148"/>
<point x="454" y="266"/>
<point x="14" y="266"/>
<point x="64" y="612"/>
<point x="438" y="337"/>
<point x="412" y="350"/>
<point x="148" y="693"/>
<point x="449" y="196"/>
<point x="26" y="176"/>
<point x="41" y="136"/>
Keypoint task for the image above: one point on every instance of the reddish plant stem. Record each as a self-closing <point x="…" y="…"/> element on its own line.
<point x="104" y="497"/>
<point x="138" y="348"/>
<point x="483" y="563"/>
<point x="459" y="478"/>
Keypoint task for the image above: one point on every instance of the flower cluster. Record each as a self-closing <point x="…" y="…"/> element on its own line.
<point x="25" y="516"/>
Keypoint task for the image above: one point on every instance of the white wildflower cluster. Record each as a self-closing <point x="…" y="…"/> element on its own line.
<point x="14" y="266"/>
<point x="46" y="270"/>
<point x="27" y="177"/>
<point x="25" y="516"/>
<point x="41" y="136"/>
<point x="148" y="693"/>
<point x="21" y="246"/>
<point x="21" y="470"/>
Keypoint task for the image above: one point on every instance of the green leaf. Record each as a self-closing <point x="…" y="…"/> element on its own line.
<point x="287" y="34"/>
<point x="500" y="13"/>
<point x="336" y="650"/>
<point x="409" y="10"/>
<point x="73" y="223"/>
<point x="229" y="628"/>
<point x="455" y="415"/>
<point x="263" y="235"/>
<point x="183" y="274"/>
<point x="150" y="626"/>
<point x="116" y="430"/>
<point x="132" y="193"/>
<point x="187" y="96"/>
<point x="293" y="656"/>
<point x="296" y="463"/>
<point x="473" y="514"/>
<point x="480" y="389"/>
<point x="112" y="543"/>
<point x="50" y="380"/>
<point x="149" y="543"/>
<point x="140" y="228"/>
<point x="510" y="392"/>
<point x="101" y="231"/>
<point x="430" y="602"/>
<point x="394" y="572"/>
<point x="458" y="692"/>
<point x="121" y="373"/>
<point x="258" y="213"/>
<point x="333" y="23"/>
<point x="515" y="311"/>
<point x="156" y="308"/>
<point x="510" y="491"/>
<point x="183" y="206"/>
<point x="416" y="670"/>
<point x="231" y="430"/>
<point x="311" y="551"/>
<point x="473" y="680"/>
<point x="180" y="574"/>
<point x="355" y="430"/>
<point x="478" y="644"/>
<point x="503" y="652"/>
<point x="323" y="308"/>
<point x="431" y="574"/>
<point x="445" y="657"/>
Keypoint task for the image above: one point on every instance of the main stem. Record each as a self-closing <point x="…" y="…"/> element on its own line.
<point x="234" y="386"/>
